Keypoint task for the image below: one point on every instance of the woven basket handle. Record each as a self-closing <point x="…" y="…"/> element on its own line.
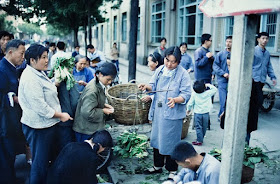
<point x="132" y="95"/>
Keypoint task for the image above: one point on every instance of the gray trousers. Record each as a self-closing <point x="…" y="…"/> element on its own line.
<point x="201" y="123"/>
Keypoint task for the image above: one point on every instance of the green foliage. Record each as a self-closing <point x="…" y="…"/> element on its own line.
<point x="62" y="71"/>
<point x="30" y="29"/>
<point x="6" y="25"/>
<point x="131" y="145"/>
<point x="252" y="156"/>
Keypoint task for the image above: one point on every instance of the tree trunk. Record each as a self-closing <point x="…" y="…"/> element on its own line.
<point x="133" y="39"/>
<point x="89" y="24"/>
<point x="75" y="32"/>
<point x="85" y="30"/>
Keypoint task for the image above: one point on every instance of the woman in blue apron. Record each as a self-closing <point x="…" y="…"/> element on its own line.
<point x="168" y="109"/>
<point x="81" y="74"/>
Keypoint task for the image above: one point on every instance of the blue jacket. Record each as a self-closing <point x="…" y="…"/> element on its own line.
<point x="10" y="126"/>
<point x="186" y="62"/>
<point x="68" y="100"/>
<point x="180" y="85"/>
<point x="203" y="64"/>
<point x="220" y="66"/>
<point x="262" y="65"/>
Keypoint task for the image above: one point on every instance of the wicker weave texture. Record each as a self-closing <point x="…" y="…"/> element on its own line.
<point x="129" y="109"/>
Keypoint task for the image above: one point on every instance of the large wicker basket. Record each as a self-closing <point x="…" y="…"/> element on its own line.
<point x="129" y="109"/>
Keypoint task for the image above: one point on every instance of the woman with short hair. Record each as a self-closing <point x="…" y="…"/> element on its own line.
<point x="41" y="111"/>
<point x="81" y="73"/>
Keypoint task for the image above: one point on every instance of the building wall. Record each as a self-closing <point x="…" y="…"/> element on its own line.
<point x="215" y="26"/>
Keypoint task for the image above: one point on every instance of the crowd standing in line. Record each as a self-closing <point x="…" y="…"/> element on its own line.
<point x="47" y="116"/>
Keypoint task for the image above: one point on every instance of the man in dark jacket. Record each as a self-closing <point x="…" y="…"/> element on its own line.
<point x="10" y="113"/>
<point x="78" y="161"/>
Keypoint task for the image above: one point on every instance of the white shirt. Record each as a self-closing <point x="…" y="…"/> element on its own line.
<point x="58" y="54"/>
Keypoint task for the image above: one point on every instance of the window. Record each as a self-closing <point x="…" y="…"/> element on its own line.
<point x="229" y="26"/>
<point x="108" y="30"/>
<point x="190" y="22"/>
<point x="115" y="28"/>
<point x="268" y="24"/>
<point x="138" y="28"/>
<point x="124" y="26"/>
<point x="96" y="33"/>
<point x="158" y="21"/>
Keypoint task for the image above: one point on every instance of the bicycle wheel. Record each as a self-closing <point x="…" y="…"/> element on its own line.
<point x="268" y="99"/>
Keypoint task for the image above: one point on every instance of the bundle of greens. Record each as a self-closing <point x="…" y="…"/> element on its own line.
<point x="252" y="156"/>
<point x="131" y="145"/>
<point x="62" y="71"/>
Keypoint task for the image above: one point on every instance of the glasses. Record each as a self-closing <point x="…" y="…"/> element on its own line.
<point x="210" y="40"/>
<point x="172" y="62"/>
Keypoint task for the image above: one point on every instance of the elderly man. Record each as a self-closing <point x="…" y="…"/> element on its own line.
<point x="10" y="112"/>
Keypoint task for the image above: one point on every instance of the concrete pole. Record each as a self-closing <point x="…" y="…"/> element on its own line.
<point x="239" y="91"/>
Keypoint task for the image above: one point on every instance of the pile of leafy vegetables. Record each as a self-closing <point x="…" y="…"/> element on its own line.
<point x="252" y="156"/>
<point x="131" y="145"/>
<point x="62" y="71"/>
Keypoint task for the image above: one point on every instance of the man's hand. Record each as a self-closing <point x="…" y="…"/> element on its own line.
<point x="213" y="77"/>
<point x="171" y="102"/>
<point x="15" y="98"/>
<point x="189" y="70"/>
<point x="226" y="75"/>
<point x="274" y="82"/>
<point x="209" y="54"/>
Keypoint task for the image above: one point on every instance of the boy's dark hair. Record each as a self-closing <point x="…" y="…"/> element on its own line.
<point x="184" y="43"/>
<point x="156" y="57"/>
<point x="35" y="51"/>
<point x="163" y="39"/>
<point x="75" y="46"/>
<point x="14" y="44"/>
<point x="199" y="86"/>
<point x="262" y="34"/>
<point x="205" y="37"/>
<point x="52" y="44"/>
<point x="175" y="51"/>
<point x="102" y="137"/>
<point x="182" y="151"/>
<point x="4" y="33"/>
<point x="60" y="45"/>
<point x="90" y="46"/>
<point x="229" y="37"/>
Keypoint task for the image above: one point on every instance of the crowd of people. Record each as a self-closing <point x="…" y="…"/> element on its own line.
<point x="58" y="121"/>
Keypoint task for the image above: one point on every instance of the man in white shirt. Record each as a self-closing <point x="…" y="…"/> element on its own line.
<point x="96" y="57"/>
<point x="60" y="53"/>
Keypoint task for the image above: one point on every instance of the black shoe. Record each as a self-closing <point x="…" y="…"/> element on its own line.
<point x="153" y="170"/>
<point x="209" y="125"/>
